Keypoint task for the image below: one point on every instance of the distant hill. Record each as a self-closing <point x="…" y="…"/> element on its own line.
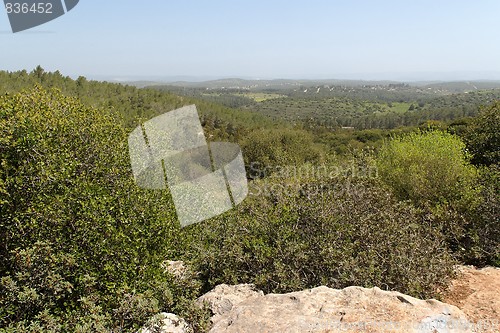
<point x="278" y="84"/>
<point x="339" y="103"/>
<point x="464" y="86"/>
<point x="287" y="84"/>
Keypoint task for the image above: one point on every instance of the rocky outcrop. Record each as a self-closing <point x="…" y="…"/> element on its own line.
<point x="472" y="305"/>
<point x="223" y="298"/>
<point x="241" y="309"/>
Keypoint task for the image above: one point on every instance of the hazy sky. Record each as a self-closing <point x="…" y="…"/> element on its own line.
<point x="366" y="39"/>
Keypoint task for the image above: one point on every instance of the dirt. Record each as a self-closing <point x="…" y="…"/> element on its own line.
<point x="477" y="293"/>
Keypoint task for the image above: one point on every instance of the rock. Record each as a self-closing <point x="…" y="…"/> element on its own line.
<point x="224" y="297"/>
<point x="166" y="323"/>
<point x="241" y="309"/>
<point x="474" y="306"/>
<point x="477" y="293"/>
<point x="176" y="268"/>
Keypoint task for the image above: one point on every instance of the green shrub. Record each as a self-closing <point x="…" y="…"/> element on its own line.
<point x="265" y="149"/>
<point x="81" y="243"/>
<point x="432" y="169"/>
<point x="336" y="232"/>
<point x="429" y="168"/>
<point x="483" y="136"/>
<point x="483" y="230"/>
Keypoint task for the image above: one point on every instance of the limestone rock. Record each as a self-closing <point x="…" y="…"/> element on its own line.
<point x="224" y="297"/>
<point x="241" y="309"/>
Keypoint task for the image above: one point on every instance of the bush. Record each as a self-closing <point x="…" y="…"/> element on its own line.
<point x="81" y="243"/>
<point x="484" y="229"/>
<point x="266" y="149"/>
<point x="432" y="169"/>
<point x="338" y="233"/>
<point x="483" y="136"/>
<point x="429" y="168"/>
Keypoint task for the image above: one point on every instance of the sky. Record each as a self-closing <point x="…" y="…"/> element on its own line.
<point x="313" y="39"/>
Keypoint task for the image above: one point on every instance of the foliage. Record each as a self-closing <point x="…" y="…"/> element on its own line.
<point x="429" y="168"/>
<point x="483" y="136"/>
<point x="337" y="232"/>
<point x="432" y="169"/>
<point x="484" y="226"/>
<point x="133" y="104"/>
<point x="81" y="243"/>
<point x="268" y="149"/>
<point x="367" y="108"/>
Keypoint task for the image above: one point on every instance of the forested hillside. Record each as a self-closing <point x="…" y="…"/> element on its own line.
<point x="131" y="103"/>
<point x="220" y="122"/>
<point x="83" y="249"/>
<point x="365" y="105"/>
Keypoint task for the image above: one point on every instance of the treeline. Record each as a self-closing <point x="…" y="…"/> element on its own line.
<point x="133" y="104"/>
<point x="363" y="107"/>
<point x="317" y="121"/>
<point x="232" y="98"/>
<point x="416" y="117"/>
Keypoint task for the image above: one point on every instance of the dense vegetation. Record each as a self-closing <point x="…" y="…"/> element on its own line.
<point x="82" y="247"/>
<point x="335" y="232"/>
<point x="78" y="237"/>
<point x="363" y="106"/>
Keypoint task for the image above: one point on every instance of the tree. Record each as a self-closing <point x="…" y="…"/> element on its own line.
<point x="39" y="72"/>
<point x="266" y="150"/>
<point x="433" y="170"/>
<point x="483" y="136"/>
